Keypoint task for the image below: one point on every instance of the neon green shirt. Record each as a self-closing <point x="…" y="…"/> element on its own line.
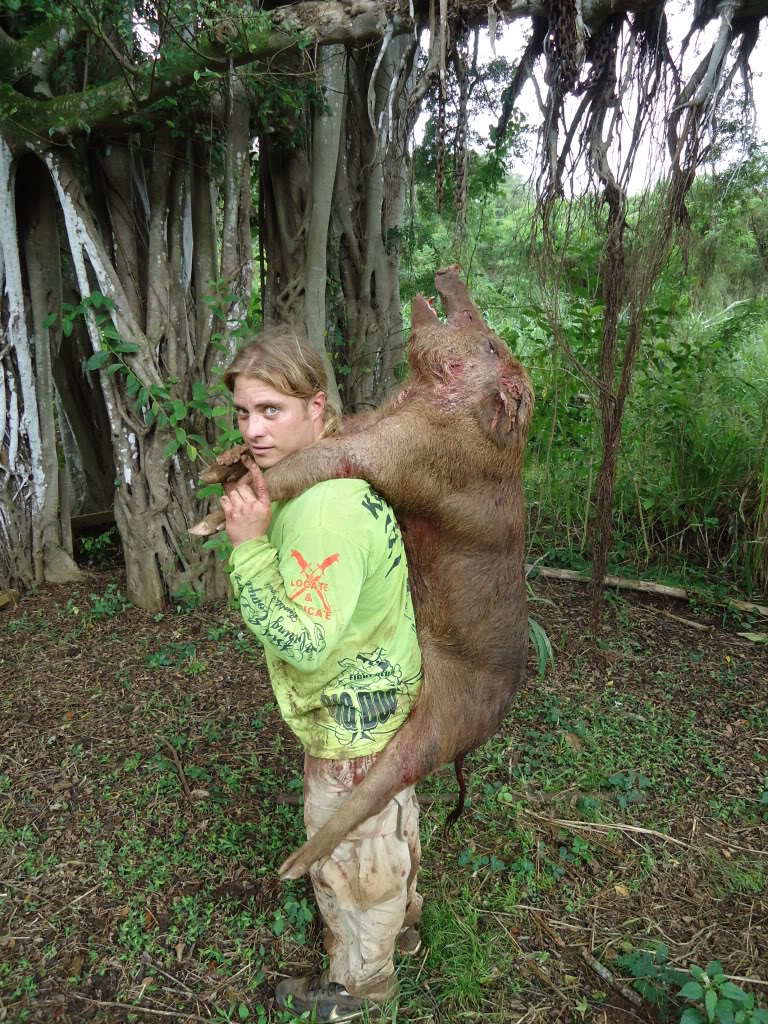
<point x="326" y="591"/>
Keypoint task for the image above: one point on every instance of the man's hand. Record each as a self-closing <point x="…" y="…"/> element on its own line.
<point x="247" y="507"/>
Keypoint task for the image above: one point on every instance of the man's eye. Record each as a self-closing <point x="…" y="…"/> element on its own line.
<point x="271" y="410"/>
<point x="491" y="347"/>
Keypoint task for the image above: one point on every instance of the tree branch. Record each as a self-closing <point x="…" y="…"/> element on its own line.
<point x="26" y="56"/>
<point x="258" y="37"/>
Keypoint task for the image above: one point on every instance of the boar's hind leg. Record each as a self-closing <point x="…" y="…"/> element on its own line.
<point x="432" y="735"/>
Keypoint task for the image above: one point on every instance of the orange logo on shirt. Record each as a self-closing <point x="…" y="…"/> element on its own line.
<point x="310" y="584"/>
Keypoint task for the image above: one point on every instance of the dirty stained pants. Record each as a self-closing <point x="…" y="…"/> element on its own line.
<point x="366" y="889"/>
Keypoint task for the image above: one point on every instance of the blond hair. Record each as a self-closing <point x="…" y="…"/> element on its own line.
<point x="289" y="364"/>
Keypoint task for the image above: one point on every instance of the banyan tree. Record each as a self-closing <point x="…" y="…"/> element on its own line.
<point x="133" y="140"/>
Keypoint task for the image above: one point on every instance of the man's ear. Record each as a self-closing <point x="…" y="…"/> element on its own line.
<point x="317" y="407"/>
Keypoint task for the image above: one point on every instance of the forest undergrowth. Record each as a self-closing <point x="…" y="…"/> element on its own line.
<point x="615" y="847"/>
<point x="691" y="498"/>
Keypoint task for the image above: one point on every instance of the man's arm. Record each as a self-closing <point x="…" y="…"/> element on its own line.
<point x="298" y="601"/>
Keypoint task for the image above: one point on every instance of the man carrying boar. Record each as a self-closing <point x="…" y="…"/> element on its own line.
<point x="322" y="581"/>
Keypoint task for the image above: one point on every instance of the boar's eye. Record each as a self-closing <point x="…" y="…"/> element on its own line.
<point x="491" y="347"/>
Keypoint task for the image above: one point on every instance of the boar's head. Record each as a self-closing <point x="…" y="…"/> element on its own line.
<point x="466" y="366"/>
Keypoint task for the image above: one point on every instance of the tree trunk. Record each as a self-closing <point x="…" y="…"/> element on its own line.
<point x="30" y="537"/>
<point x="155" y="499"/>
<point x="296" y="191"/>
<point x="613" y="275"/>
<point x="371" y="181"/>
<point x="332" y="63"/>
<point x="83" y="421"/>
<point x="332" y="216"/>
<point x="150" y="249"/>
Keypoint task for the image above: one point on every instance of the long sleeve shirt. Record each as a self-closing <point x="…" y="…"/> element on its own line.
<point x="326" y="591"/>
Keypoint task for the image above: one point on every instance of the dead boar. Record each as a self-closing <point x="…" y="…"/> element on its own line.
<point x="446" y="452"/>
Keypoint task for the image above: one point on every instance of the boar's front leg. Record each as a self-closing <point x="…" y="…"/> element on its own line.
<point x="380" y="454"/>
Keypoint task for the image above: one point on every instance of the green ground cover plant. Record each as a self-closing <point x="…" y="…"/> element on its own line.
<point x="144" y="809"/>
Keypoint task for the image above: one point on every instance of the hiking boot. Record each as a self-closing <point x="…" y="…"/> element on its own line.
<point x="409" y="940"/>
<point x="330" y="1000"/>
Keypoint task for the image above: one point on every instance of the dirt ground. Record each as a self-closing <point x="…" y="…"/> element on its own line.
<point x="149" y="789"/>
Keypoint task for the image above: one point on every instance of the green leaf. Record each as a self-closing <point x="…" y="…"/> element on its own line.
<point x="50" y="320"/>
<point x="133" y="384"/>
<point x="692" y="1016"/>
<point x="116" y="368"/>
<point x="97" y="360"/>
<point x="66" y="327"/>
<point x="541" y="645"/>
<point x="179" y="409"/>
<point x="692" y="990"/>
<point x="170" y="449"/>
<point x="181" y="435"/>
<point x="127" y="347"/>
<point x="199" y="391"/>
<point x="756" y="638"/>
<point x="724" y="1013"/>
<point x="696" y="972"/>
<point x="714" y="966"/>
<point x="731" y="991"/>
<point x="220" y="410"/>
<point x="191" y="452"/>
<point x="710" y="1002"/>
<point x="95" y="299"/>
<point x="214" y="542"/>
<point x="209" y="490"/>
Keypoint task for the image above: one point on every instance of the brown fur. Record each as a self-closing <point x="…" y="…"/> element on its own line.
<point x="446" y="452"/>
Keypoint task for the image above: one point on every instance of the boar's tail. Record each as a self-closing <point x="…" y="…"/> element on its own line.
<point x="410" y="756"/>
<point x="455" y="814"/>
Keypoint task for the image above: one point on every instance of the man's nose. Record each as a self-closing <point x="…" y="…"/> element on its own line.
<point x="255" y="427"/>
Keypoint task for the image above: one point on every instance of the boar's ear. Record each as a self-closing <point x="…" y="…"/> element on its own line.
<point x="457" y="301"/>
<point x="422" y="312"/>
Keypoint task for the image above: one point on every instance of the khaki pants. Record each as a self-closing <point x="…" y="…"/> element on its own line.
<point x="366" y="889"/>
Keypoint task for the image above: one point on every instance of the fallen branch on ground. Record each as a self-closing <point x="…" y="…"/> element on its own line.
<point x="701" y="626"/>
<point x="605" y="974"/>
<point x="608" y="826"/>
<point x="641" y="586"/>
<point x="179" y="769"/>
<point x="137" y="1009"/>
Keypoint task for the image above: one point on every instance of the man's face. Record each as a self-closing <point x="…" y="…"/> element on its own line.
<point x="274" y="424"/>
